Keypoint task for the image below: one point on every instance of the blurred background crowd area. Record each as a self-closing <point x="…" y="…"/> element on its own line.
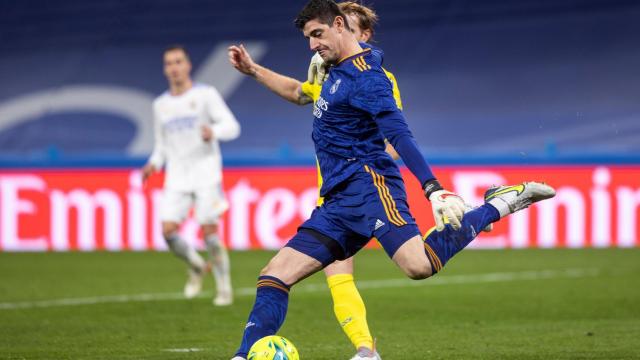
<point x="482" y="81"/>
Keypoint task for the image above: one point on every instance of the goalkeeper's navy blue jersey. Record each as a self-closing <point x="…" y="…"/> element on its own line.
<point x="345" y="132"/>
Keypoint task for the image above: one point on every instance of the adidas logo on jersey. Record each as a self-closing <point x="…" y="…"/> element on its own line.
<point x="379" y="224"/>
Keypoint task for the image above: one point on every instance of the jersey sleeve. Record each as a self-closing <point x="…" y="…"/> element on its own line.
<point x="373" y="94"/>
<point x="225" y="126"/>
<point x="158" y="156"/>
<point x="394" y="127"/>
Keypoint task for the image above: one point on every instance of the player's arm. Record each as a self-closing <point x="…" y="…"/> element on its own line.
<point x="225" y="126"/>
<point x="444" y="203"/>
<point x="374" y="95"/>
<point x="157" y="158"/>
<point x="286" y="87"/>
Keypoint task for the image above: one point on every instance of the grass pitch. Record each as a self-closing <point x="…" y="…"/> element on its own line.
<point x="525" y="304"/>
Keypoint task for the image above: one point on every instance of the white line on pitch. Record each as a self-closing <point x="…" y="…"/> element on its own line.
<point x="362" y="284"/>
<point x="461" y="279"/>
<point x="186" y="350"/>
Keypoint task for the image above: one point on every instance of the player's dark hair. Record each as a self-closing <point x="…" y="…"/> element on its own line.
<point x="325" y="11"/>
<point x="174" y="47"/>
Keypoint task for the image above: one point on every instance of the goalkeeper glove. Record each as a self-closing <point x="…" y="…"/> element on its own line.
<point x="317" y="70"/>
<point x="444" y="204"/>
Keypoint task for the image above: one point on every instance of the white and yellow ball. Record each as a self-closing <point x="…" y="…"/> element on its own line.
<point x="273" y="347"/>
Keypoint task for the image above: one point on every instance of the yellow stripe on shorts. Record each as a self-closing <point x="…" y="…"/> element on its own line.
<point x="385" y="196"/>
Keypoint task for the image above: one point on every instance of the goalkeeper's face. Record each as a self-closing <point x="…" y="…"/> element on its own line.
<point x="177" y="67"/>
<point x="325" y="39"/>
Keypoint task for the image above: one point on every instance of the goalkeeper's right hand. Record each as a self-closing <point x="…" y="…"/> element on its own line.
<point x="317" y="73"/>
<point x="444" y="204"/>
<point x="447" y="204"/>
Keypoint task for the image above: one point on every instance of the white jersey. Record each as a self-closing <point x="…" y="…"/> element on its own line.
<point x="191" y="163"/>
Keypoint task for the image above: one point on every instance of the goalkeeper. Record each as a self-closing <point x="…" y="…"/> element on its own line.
<point x="348" y="305"/>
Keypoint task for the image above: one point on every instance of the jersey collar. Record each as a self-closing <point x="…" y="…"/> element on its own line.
<point x="353" y="56"/>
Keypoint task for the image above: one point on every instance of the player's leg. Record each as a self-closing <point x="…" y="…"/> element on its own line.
<point x="500" y="201"/>
<point x="303" y="256"/>
<point x="210" y="205"/>
<point x="183" y="250"/>
<point x="394" y="226"/>
<point x="175" y="206"/>
<point x="349" y="307"/>
<point x="180" y="247"/>
<point x="441" y="246"/>
<point x="420" y="258"/>
<point x="220" y="265"/>
<point x="320" y="241"/>
<point x="401" y="239"/>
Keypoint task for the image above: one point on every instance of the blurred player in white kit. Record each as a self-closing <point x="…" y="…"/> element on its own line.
<point x="189" y="120"/>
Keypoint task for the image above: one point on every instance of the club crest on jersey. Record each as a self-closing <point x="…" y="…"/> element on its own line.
<point x="335" y="87"/>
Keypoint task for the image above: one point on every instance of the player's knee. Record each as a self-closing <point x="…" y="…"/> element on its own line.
<point x="169" y="231"/>
<point x="209" y="229"/>
<point x="279" y="268"/>
<point x="417" y="271"/>
<point x="213" y="242"/>
<point x="268" y="270"/>
<point x="168" y="236"/>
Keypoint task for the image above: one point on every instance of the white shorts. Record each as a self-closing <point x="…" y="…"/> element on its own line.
<point x="209" y="205"/>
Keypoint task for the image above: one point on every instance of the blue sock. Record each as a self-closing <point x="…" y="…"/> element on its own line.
<point x="268" y="313"/>
<point x="441" y="246"/>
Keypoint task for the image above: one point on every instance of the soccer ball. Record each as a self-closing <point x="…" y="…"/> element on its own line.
<point x="273" y="347"/>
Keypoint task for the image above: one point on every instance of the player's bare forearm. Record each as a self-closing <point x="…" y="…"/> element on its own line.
<point x="303" y="98"/>
<point x="286" y="87"/>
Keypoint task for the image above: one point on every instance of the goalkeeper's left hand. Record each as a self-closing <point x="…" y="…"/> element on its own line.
<point x="317" y="72"/>
<point x="444" y="204"/>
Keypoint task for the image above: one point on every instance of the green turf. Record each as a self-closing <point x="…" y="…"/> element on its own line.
<point x="484" y="305"/>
